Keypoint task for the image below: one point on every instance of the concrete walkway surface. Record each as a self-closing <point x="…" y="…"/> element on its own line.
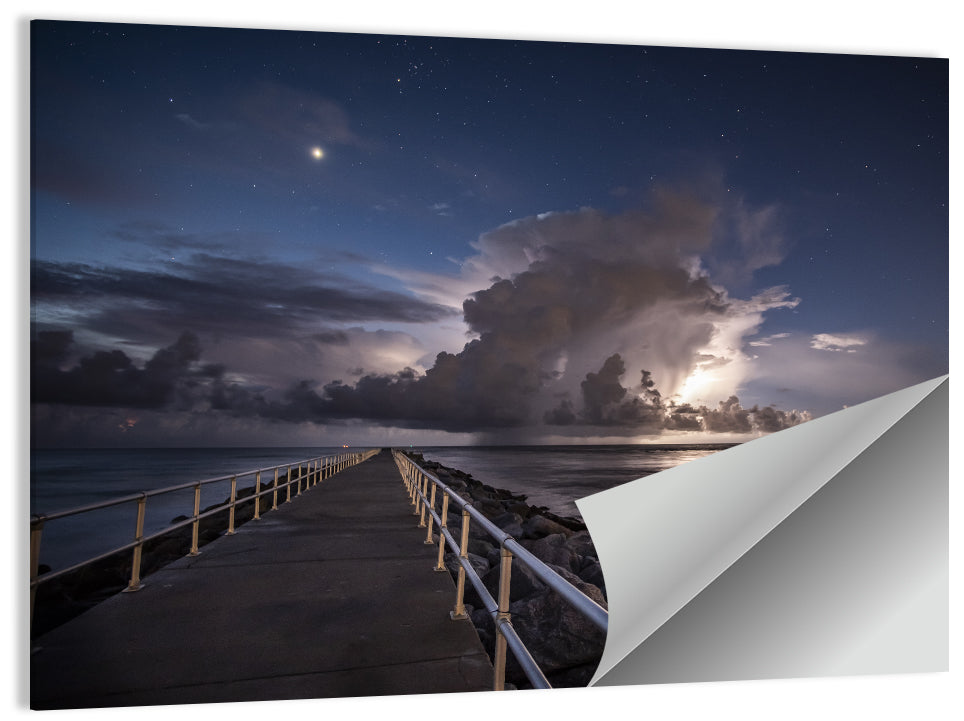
<point x="332" y="594"/>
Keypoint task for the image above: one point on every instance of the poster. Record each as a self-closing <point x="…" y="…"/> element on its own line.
<point x="591" y="391"/>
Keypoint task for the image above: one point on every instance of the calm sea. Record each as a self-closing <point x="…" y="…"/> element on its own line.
<point x="557" y="476"/>
<point x="551" y="476"/>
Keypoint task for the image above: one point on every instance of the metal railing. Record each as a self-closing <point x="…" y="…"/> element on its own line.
<point x="307" y="472"/>
<point x="424" y="488"/>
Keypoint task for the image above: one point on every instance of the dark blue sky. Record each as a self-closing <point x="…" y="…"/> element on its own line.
<point x="653" y="241"/>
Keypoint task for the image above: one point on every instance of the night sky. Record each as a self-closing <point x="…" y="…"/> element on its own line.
<point x="291" y="237"/>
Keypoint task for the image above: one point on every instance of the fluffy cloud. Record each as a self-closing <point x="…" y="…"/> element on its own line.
<point x="831" y="342"/>
<point x="768" y="340"/>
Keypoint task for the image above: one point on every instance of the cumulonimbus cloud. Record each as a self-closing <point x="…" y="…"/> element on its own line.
<point x="561" y="290"/>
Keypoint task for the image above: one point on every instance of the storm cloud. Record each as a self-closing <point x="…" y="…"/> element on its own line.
<point x="581" y="321"/>
<point x="111" y="378"/>
<point x="562" y="288"/>
<point x="642" y="409"/>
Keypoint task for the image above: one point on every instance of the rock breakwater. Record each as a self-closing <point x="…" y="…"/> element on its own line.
<point x="566" y="645"/>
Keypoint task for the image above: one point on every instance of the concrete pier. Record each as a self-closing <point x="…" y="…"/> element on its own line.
<point x="332" y="594"/>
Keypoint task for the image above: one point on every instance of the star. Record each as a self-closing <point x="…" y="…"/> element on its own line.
<point x="317" y="153"/>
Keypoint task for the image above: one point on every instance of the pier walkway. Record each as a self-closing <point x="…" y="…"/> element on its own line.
<point x="332" y="594"/>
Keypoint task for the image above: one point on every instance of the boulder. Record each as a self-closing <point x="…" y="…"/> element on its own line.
<point x="558" y="636"/>
<point x="581" y="543"/>
<point x="516" y="505"/>
<point x="553" y="550"/>
<point x="537" y="526"/>
<point x="509" y="522"/>
<point x="481" y="547"/>
<point x="591" y="572"/>
<point x="522" y="582"/>
<point x="479" y="563"/>
<point x="456" y="484"/>
<point x="490" y="508"/>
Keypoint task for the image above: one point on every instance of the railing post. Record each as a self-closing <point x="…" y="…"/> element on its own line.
<point x="234" y="499"/>
<point x="299" y="480"/>
<point x="257" y="497"/>
<point x="197" y="520"/>
<point x="459" y="612"/>
<point x="274" y="499"/>
<point x="440" y="566"/>
<point x="36" y="531"/>
<point x="420" y="507"/>
<point x="288" y="486"/>
<point x="135" y="582"/>
<point x="431" y="518"/>
<point x="505" y="573"/>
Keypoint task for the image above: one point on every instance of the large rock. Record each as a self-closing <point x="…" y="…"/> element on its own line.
<point x="522" y="582"/>
<point x="509" y="522"/>
<point x="581" y="543"/>
<point x="516" y="505"/>
<point x="456" y="484"/>
<point x="592" y="573"/>
<point x="537" y="526"/>
<point x="479" y="563"/>
<point x="481" y="547"/>
<point x="558" y="636"/>
<point x="554" y="550"/>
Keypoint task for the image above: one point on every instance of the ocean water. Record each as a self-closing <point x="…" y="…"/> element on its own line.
<point x="61" y="479"/>
<point x="557" y="476"/>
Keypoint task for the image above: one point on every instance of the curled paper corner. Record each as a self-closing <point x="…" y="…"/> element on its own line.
<point x="865" y="560"/>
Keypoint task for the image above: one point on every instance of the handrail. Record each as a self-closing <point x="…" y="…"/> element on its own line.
<point x="417" y="480"/>
<point x="312" y="471"/>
